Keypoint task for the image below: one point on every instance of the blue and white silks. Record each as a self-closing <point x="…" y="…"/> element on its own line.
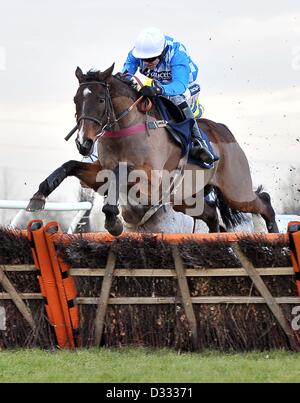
<point x="176" y="72"/>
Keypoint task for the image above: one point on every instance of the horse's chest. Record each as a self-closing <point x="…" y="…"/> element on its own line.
<point x="111" y="153"/>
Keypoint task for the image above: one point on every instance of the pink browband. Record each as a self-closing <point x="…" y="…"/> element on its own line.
<point x="128" y="131"/>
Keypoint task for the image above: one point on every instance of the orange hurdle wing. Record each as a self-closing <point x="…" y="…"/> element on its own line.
<point x="48" y="285"/>
<point x="294" y="237"/>
<point x="65" y="285"/>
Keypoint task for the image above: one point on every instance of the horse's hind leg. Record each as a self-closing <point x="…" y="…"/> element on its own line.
<point x="85" y="172"/>
<point x="209" y="214"/>
<point x="210" y="217"/>
<point x="269" y="214"/>
<point x="233" y="179"/>
<point x="261" y="204"/>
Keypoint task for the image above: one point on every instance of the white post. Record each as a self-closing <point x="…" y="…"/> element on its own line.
<point x="17" y="218"/>
<point x="76" y="221"/>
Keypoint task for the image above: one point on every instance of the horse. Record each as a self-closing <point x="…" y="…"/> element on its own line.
<point x="106" y="104"/>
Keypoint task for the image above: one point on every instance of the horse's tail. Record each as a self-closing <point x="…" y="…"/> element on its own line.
<point x="230" y="217"/>
<point x="264" y="196"/>
<point x="259" y="190"/>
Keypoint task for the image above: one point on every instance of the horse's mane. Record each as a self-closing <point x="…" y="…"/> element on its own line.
<point x="128" y="87"/>
<point x="131" y="88"/>
<point x="92" y="75"/>
<point x="130" y="83"/>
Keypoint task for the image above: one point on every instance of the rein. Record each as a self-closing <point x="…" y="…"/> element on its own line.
<point x="121" y="116"/>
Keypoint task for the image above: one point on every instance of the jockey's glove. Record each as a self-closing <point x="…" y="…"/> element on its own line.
<point x="152" y="91"/>
<point x="125" y="76"/>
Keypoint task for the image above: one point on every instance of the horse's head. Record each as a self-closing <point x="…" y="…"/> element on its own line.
<point x="93" y="107"/>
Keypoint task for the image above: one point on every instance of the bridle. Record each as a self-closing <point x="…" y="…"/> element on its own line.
<point x="108" y="113"/>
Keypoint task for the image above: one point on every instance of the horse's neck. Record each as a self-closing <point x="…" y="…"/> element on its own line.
<point x="122" y="98"/>
<point x="121" y="104"/>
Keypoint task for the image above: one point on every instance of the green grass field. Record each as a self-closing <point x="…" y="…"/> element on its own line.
<point x="145" y="365"/>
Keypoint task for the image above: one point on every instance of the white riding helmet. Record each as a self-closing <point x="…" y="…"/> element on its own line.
<point x="150" y="43"/>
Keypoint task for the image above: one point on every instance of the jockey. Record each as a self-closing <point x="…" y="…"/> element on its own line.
<point x="173" y="75"/>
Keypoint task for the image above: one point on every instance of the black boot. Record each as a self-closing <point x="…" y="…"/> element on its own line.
<point x="199" y="150"/>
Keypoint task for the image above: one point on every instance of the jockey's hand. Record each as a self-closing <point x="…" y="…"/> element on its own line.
<point x="124" y="76"/>
<point x="152" y="91"/>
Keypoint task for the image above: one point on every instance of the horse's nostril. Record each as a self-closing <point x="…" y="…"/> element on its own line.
<point x="88" y="144"/>
<point x="86" y="147"/>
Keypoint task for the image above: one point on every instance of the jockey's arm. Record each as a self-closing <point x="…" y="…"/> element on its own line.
<point x="131" y="65"/>
<point x="180" y="76"/>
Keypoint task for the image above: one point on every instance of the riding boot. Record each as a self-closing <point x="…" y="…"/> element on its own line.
<point x="199" y="149"/>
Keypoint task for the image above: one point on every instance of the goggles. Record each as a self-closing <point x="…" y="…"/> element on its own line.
<point x="151" y="59"/>
<point x="160" y="57"/>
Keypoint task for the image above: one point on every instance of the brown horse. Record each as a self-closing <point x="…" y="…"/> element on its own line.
<point x="107" y="104"/>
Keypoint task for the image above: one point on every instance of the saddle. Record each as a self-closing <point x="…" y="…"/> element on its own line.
<point x="180" y="129"/>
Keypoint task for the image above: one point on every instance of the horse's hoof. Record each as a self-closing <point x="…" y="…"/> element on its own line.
<point x="36" y="204"/>
<point x="273" y="228"/>
<point x="116" y="229"/>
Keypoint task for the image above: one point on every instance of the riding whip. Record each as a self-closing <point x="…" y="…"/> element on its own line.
<point x="71" y="133"/>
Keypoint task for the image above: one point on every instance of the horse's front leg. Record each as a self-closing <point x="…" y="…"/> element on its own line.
<point x="113" y="224"/>
<point x="85" y="172"/>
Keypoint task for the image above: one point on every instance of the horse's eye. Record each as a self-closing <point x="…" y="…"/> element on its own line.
<point x="101" y="100"/>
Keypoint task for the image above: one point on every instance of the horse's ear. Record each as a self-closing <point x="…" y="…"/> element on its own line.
<point x="105" y="75"/>
<point x="79" y="74"/>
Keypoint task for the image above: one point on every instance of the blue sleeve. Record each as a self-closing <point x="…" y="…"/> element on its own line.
<point x="131" y="64"/>
<point x="180" y="75"/>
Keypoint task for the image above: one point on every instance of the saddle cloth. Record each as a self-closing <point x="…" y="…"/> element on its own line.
<point x="180" y="129"/>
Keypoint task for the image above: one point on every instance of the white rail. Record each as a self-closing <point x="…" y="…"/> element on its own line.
<point x="80" y="207"/>
<point x="17" y="205"/>
<point x="83" y="207"/>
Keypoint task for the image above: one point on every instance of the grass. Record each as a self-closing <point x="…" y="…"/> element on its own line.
<point x="145" y="365"/>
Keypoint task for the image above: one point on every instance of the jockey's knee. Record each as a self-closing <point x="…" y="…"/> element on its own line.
<point x="183" y="105"/>
<point x="177" y="99"/>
